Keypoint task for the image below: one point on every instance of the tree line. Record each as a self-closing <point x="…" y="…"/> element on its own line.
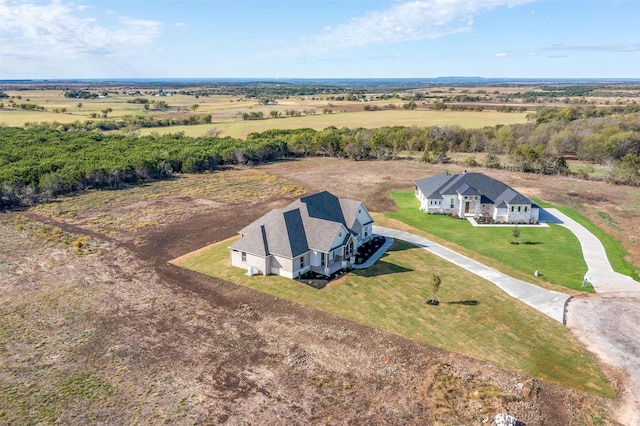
<point x="127" y="121"/>
<point x="41" y="161"/>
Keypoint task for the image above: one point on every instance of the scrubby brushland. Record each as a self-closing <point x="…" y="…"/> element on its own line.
<point x="40" y="160"/>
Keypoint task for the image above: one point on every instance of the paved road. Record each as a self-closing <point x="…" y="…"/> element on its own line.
<point x="599" y="271"/>
<point x="551" y="303"/>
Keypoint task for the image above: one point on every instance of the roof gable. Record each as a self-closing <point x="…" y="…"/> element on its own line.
<point x="309" y="223"/>
<point x="492" y="190"/>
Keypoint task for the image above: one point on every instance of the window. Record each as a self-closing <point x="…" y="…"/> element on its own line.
<point x="525" y="208"/>
<point x="244" y="256"/>
<point x="301" y="262"/>
<point x="452" y="203"/>
<point x="519" y="209"/>
<point x="322" y="259"/>
<point x="512" y="209"/>
<point x="366" y="231"/>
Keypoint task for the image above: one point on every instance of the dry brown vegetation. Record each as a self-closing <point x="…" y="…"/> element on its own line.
<point x="115" y="335"/>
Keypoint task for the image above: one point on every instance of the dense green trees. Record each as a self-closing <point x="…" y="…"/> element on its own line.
<point x="37" y="163"/>
<point x="46" y="159"/>
<point x="124" y="122"/>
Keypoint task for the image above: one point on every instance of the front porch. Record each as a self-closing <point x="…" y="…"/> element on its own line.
<point x="366" y="255"/>
<point x="336" y="264"/>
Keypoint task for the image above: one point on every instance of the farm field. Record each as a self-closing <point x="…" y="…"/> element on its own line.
<point x="226" y="113"/>
<point x="97" y="327"/>
<point x="365" y="119"/>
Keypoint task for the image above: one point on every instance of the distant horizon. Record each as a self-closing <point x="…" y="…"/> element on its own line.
<point x="319" y="39"/>
<point x="293" y="80"/>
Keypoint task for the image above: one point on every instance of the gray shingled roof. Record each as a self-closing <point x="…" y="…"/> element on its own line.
<point x="430" y="186"/>
<point x="492" y="190"/>
<point x="310" y="223"/>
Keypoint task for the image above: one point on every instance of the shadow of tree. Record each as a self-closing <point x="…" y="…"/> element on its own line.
<point x="464" y="302"/>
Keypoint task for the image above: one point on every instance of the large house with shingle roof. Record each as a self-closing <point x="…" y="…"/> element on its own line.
<point x="475" y="195"/>
<point x="319" y="233"/>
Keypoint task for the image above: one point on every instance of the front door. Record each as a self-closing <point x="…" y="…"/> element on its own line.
<point x="466" y="207"/>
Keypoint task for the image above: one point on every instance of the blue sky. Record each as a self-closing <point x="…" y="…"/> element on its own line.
<point x="319" y="38"/>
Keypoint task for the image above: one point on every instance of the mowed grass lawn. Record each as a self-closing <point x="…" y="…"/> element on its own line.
<point x="553" y="251"/>
<point x="474" y="317"/>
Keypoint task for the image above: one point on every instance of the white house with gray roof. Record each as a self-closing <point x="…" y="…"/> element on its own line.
<point x="475" y="195"/>
<point x="319" y="233"/>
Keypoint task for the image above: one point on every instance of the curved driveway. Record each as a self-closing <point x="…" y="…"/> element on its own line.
<point x="599" y="271"/>
<point x="551" y="303"/>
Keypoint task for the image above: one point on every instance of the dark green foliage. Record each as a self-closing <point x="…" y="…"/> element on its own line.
<point x="124" y="122"/>
<point x="80" y="94"/>
<point x="37" y="163"/>
<point x="47" y="159"/>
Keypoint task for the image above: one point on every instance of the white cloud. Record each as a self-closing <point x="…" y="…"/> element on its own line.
<point x="404" y="21"/>
<point x="32" y="30"/>
<point x="634" y="47"/>
<point x="505" y="54"/>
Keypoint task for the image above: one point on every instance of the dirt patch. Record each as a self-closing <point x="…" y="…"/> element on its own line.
<point x="124" y="337"/>
<point x="588" y="197"/>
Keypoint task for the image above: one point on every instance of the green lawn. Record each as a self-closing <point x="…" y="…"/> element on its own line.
<point x="554" y="251"/>
<point x="615" y="251"/>
<point x="474" y="318"/>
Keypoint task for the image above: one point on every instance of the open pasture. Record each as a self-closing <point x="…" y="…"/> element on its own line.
<point x="226" y="112"/>
<point x="367" y="119"/>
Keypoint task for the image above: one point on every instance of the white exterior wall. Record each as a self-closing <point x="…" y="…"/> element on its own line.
<point x="474" y="205"/>
<point x="535" y="214"/>
<point x="500" y="214"/>
<point x="363" y="215"/>
<point x="339" y="237"/>
<point x="422" y="199"/>
<point x="260" y="264"/>
<point x="367" y="230"/>
<point x="297" y="270"/>
<point x="438" y="206"/>
<point x="519" y="216"/>
<point x="434" y="206"/>
<point x="284" y="266"/>
<point x="446" y="203"/>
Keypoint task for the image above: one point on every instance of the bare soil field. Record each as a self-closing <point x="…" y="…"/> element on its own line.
<point x="97" y="327"/>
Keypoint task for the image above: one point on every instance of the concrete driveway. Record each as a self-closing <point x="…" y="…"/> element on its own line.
<point x="599" y="271"/>
<point x="551" y="303"/>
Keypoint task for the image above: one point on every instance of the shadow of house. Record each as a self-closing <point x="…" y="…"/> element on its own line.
<point x="381" y="268"/>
